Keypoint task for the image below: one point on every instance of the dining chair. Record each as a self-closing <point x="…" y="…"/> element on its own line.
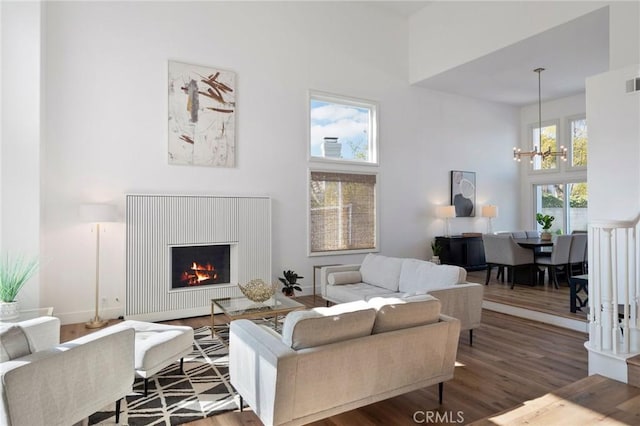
<point x="578" y="253"/>
<point x="533" y="233"/>
<point x="559" y="258"/>
<point x="519" y="234"/>
<point x="503" y="251"/>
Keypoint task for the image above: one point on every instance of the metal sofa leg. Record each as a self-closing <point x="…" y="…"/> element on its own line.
<point x="440" y="391"/>
<point x="241" y="404"/>
<point x="471" y="337"/>
<point x="146" y="386"/>
<point x="182" y="365"/>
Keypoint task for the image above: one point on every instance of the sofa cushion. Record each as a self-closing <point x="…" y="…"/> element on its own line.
<point x="321" y="326"/>
<point x="381" y="271"/>
<point x="344" y="277"/>
<point x="419" y="276"/>
<point x="395" y="313"/>
<point x="14" y="343"/>
<point x="352" y="292"/>
<point x="409" y="281"/>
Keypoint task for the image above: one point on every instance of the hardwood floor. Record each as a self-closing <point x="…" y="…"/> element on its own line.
<point x="542" y="298"/>
<point x="512" y="360"/>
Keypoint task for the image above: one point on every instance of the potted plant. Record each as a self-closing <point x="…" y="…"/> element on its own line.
<point x="290" y="282"/>
<point x="545" y="221"/>
<point x="436" y="248"/>
<point x="14" y="273"/>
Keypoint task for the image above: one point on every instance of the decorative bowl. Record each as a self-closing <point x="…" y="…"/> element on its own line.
<point x="257" y="290"/>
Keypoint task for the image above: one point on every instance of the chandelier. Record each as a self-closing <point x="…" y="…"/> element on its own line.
<point x="537" y="149"/>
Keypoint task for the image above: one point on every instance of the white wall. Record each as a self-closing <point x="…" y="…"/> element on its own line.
<point x="446" y="34"/>
<point x="20" y="137"/>
<point x="106" y="127"/>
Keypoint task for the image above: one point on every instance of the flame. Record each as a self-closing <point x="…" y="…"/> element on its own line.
<point x="200" y="273"/>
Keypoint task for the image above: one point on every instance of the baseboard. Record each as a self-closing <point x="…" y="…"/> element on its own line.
<point x="84" y="316"/>
<point x="568" y="323"/>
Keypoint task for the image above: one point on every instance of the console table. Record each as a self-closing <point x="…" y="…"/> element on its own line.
<point x="463" y="251"/>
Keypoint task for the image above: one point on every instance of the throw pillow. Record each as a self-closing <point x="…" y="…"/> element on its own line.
<point x="345" y="277"/>
<point x="395" y="314"/>
<point x="13" y="343"/>
<point x="321" y="326"/>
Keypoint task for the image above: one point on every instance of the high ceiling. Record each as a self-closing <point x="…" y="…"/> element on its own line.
<point x="569" y="53"/>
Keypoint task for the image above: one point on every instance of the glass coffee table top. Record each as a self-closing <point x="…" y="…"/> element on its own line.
<point x="241" y="306"/>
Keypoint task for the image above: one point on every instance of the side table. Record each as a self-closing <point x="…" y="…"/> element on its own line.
<point x="315" y="269"/>
<point x="578" y="284"/>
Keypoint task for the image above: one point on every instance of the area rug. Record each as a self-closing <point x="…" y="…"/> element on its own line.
<point x="175" y="398"/>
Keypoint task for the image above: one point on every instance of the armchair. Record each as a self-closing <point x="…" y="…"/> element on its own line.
<point x="62" y="384"/>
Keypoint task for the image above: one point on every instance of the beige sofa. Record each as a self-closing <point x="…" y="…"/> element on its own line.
<point x="331" y="360"/>
<point x="382" y="276"/>
<point x="62" y="384"/>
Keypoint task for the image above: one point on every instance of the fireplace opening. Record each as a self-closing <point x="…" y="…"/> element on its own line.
<point x="201" y="265"/>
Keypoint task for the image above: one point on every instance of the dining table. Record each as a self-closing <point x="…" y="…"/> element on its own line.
<point x="533" y="275"/>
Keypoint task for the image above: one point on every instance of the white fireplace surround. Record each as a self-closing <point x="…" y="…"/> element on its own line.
<point x="157" y="222"/>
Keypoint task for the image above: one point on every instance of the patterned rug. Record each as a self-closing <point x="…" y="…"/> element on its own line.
<point x="175" y="398"/>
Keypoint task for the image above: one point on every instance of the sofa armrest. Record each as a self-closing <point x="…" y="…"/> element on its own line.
<point x="326" y="270"/>
<point x="42" y="332"/>
<point x="462" y="301"/>
<point x="262" y="369"/>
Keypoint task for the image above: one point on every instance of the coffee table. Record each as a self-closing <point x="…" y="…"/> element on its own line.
<point x="241" y="307"/>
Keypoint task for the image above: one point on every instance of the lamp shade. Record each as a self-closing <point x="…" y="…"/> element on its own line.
<point x="98" y="213"/>
<point x="446" y="211"/>
<point x="490" y="211"/>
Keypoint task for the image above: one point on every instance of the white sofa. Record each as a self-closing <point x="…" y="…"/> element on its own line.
<point x="62" y="384"/>
<point x="331" y="360"/>
<point x="382" y="276"/>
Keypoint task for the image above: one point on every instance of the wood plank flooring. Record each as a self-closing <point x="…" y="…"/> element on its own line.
<point x="541" y="298"/>
<point x="512" y="360"/>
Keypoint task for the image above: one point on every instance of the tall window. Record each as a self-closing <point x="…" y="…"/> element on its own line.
<point x="568" y="203"/>
<point x="342" y="129"/>
<point x="549" y="142"/>
<point x="578" y="136"/>
<point x="342" y="212"/>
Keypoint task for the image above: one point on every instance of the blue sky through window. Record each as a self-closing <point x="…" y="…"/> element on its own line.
<point x="350" y="124"/>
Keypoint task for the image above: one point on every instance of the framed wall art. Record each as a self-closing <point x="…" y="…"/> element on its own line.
<point x="463" y="193"/>
<point x="201" y="116"/>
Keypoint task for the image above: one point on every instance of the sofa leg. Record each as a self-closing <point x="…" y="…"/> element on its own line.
<point x="182" y="365"/>
<point x="440" y="391"/>
<point x="241" y="404"/>
<point x="471" y="337"/>
<point x="146" y="386"/>
<point x="118" y="410"/>
<point x="327" y="303"/>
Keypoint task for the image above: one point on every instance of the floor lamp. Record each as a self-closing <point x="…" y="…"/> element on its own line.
<point x="97" y="214"/>
<point x="490" y="211"/>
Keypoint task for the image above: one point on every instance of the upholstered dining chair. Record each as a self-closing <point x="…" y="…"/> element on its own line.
<point x="502" y="250"/>
<point x="578" y="253"/>
<point x="559" y="258"/>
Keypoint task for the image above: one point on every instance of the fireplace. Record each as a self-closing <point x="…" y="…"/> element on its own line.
<point x="194" y="266"/>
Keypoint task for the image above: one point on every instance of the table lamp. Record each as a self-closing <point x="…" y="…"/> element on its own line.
<point x="446" y="213"/>
<point x="490" y="211"/>
<point x="97" y="214"/>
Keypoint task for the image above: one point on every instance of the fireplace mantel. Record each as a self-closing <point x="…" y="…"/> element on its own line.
<point x="157" y="222"/>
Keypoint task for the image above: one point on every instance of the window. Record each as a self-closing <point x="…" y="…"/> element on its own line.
<point x="578" y="138"/>
<point x="549" y="142"/>
<point x="342" y="129"/>
<point x="570" y="211"/>
<point x="342" y="212"/>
